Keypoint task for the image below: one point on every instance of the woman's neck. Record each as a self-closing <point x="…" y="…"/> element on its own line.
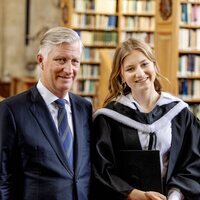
<point x="146" y="100"/>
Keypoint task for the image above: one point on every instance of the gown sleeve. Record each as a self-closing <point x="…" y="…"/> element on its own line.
<point x="107" y="181"/>
<point x="186" y="175"/>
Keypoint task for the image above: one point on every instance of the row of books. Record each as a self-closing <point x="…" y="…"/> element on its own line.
<point x="94" y="21"/>
<point x="144" y="36"/>
<point x="85" y="87"/>
<point x="130" y="6"/>
<point x="193" y="1"/>
<point x="189" y="39"/>
<point x="88" y="71"/>
<point x="138" y="6"/>
<point x="189" y="89"/>
<point x="98" y="38"/>
<point x="90" y="55"/>
<point x="189" y="65"/>
<point x="195" y="108"/>
<point x="190" y="14"/>
<point x="96" y="6"/>
<point x="138" y="23"/>
<point x="83" y="5"/>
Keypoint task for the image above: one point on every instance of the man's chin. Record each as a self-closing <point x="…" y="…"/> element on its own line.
<point x="66" y="87"/>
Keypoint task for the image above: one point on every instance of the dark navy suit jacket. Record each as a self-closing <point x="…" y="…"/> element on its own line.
<point x="33" y="165"/>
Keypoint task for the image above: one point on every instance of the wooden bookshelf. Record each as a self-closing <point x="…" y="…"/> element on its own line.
<point x="103" y="24"/>
<point x="137" y="19"/>
<point x="172" y="28"/>
<point x="20" y="84"/>
<point x="177" y="47"/>
<point x="5" y="89"/>
<point x="106" y="56"/>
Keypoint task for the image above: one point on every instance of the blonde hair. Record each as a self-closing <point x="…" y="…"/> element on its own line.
<point x="116" y="86"/>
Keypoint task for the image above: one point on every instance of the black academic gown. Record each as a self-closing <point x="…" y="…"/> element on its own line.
<point x="113" y="134"/>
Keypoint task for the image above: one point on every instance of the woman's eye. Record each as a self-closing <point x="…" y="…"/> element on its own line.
<point x="129" y="69"/>
<point x="145" y="64"/>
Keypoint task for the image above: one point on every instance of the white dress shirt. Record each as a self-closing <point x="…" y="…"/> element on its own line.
<point x="49" y="99"/>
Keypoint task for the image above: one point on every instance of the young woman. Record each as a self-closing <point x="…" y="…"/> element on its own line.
<point x="139" y="117"/>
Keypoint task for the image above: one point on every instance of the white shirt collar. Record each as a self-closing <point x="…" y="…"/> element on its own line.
<point x="48" y="96"/>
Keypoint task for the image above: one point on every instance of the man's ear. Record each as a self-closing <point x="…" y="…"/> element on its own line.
<point x="40" y="60"/>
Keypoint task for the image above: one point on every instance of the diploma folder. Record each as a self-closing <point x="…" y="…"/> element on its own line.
<point x="141" y="169"/>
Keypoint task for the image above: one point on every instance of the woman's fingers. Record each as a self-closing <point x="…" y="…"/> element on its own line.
<point x="155" y="196"/>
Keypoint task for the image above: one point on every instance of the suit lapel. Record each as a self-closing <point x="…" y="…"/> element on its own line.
<point x="78" y="131"/>
<point x="41" y="113"/>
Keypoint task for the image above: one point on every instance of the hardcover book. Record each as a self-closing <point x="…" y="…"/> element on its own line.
<point x="141" y="169"/>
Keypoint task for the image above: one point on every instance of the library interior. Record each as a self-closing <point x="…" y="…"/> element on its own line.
<point x="172" y="29"/>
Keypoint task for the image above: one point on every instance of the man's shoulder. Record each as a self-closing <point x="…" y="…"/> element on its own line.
<point x="79" y="99"/>
<point x="16" y="100"/>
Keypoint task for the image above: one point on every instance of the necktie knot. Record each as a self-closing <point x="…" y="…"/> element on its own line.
<point x="60" y="103"/>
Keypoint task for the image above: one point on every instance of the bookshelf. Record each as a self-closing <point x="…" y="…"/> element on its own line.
<point x="4" y="89"/>
<point x="177" y="47"/>
<point x="106" y="56"/>
<point x="189" y="53"/>
<point x="137" y="19"/>
<point x="20" y="84"/>
<point x="102" y="25"/>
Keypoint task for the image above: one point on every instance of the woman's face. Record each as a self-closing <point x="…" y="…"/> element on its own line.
<point x="138" y="72"/>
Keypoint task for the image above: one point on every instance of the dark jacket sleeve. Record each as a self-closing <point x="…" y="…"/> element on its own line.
<point x="107" y="183"/>
<point x="8" y="155"/>
<point x="186" y="174"/>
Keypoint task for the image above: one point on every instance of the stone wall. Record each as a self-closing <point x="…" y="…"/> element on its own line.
<point x="15" y="55"/>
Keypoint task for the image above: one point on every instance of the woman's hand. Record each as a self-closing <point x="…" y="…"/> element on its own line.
<point x="155" y="196"/>
<point x="141" y="195"/>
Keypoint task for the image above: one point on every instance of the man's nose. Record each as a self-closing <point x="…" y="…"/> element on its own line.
<point x="68" y="67"/>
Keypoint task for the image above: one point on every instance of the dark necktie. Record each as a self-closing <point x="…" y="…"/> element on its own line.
<point x="64" y="130"/>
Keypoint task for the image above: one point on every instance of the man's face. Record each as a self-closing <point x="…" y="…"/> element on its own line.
<point x="60" y="68"/>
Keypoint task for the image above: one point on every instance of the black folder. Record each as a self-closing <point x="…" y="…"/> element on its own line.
<point x="141" y="169"/>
